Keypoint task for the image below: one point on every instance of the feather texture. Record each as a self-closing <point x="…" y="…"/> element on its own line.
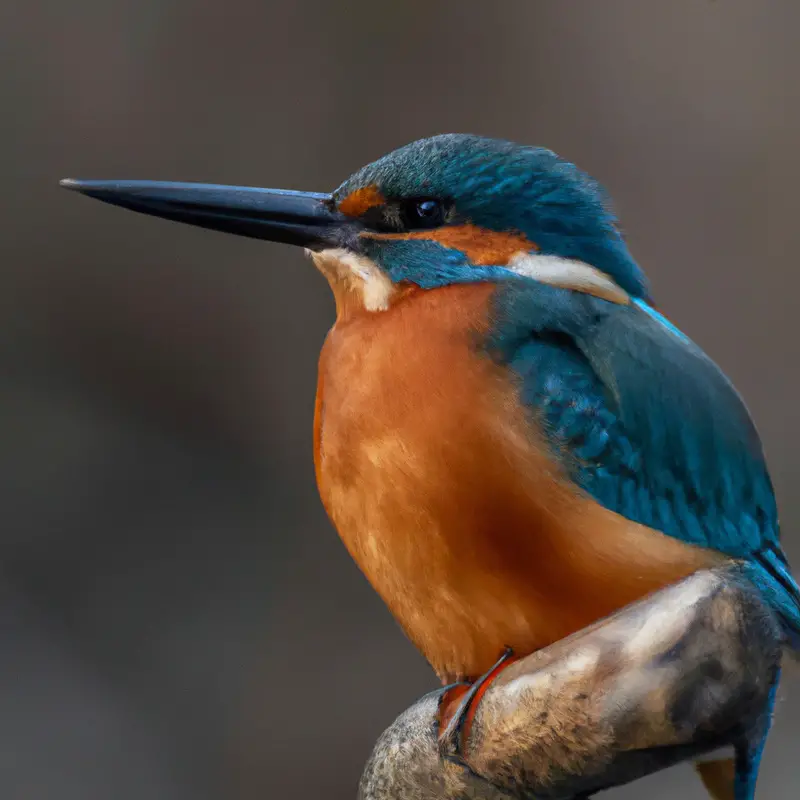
<point x="644" y="422"/>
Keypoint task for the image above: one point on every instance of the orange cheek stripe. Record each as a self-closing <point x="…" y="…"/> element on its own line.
<point x="361" y="200"/>
<point x="482" y="246"/>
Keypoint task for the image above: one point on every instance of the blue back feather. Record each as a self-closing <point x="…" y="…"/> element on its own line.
<point x="646" y="423"/>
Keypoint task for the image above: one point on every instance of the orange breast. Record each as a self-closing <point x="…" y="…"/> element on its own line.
<point x="449" y="502"/>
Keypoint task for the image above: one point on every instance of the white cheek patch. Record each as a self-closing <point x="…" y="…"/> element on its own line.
<point x="359" y="273"/>
<point x="567" y="273"/>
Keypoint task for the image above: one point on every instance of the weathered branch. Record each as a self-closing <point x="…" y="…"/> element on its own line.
<point x="681" y="673"/>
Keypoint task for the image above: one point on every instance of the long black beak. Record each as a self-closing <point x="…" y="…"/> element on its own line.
<point x="307" y="219"/>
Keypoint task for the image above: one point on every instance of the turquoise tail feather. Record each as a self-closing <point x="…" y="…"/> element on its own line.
<point x="769" y="573"/>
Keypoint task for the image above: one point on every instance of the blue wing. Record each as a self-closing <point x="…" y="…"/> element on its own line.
<point x="646" y="423"/>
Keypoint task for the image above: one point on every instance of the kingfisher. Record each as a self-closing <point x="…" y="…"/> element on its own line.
<point x="510" y="439"/>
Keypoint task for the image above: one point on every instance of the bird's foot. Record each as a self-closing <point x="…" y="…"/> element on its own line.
<point x="457" y="708"/>
<point x="449" y="703"/>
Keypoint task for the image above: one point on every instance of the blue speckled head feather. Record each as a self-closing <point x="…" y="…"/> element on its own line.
<point x="502" y="186"/>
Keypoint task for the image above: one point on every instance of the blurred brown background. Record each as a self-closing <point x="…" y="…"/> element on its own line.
<point x="178" y="618"/>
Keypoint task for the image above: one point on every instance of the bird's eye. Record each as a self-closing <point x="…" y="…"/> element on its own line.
<point x="422" y="212"/>
<point x="427" y="209"/>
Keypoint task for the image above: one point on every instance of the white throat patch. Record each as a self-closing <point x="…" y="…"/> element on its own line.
<point x="358" y="273"/>
<point x="568" y="274"/>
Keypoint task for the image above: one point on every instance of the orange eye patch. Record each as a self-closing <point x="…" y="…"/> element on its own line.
<point x="360" y="201"/>
<point x="482" y="246"/>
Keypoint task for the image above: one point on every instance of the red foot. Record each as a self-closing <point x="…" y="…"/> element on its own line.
<point x="448" y="705"/>
<point x="459" y="703"/>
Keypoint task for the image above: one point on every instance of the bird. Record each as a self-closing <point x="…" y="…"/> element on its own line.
<point x="510" y="438"/>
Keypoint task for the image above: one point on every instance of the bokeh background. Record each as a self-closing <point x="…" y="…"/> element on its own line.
<point x="177" y="617"/>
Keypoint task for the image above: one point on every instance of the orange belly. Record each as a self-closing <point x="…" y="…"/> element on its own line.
<point x="450" y="504"/>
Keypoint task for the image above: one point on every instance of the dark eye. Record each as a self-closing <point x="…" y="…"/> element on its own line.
<point x="422" y="212"/>
<point x="427" y="209"/>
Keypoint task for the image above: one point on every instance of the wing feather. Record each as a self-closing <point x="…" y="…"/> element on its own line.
<point x="643" y="421"/>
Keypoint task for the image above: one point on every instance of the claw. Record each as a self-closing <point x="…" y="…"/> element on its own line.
<point x="458" y="706"/>
<point x="448" y="705"/>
